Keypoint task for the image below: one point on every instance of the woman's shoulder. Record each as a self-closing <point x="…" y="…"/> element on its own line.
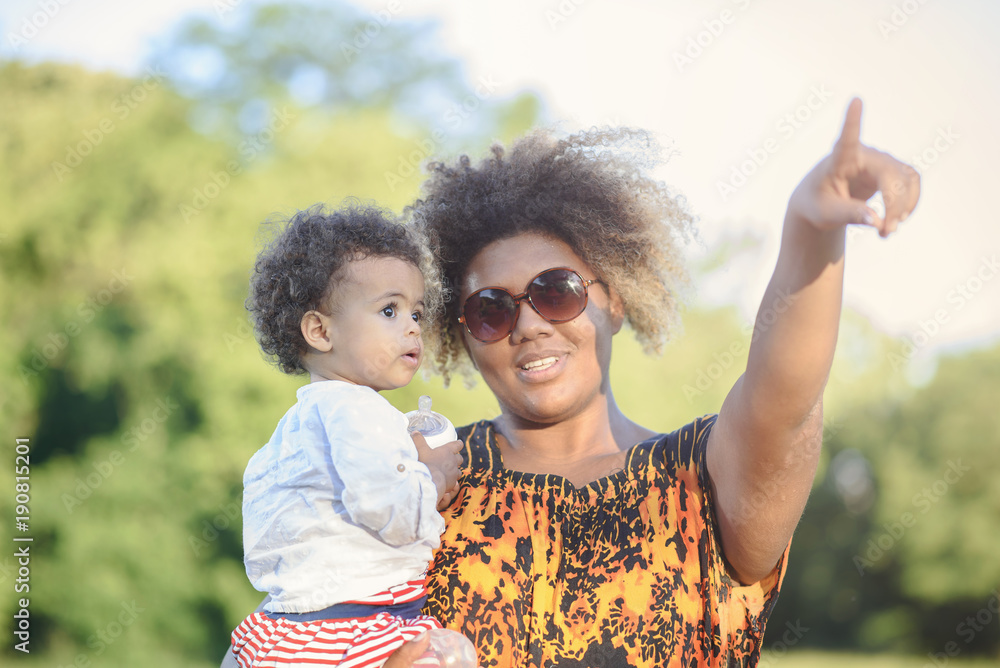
<point x="680" y="450"/>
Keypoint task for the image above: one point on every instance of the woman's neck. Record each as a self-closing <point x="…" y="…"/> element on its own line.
<point x="583" y="448"/>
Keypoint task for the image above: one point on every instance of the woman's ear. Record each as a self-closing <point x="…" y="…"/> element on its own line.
<point x="317" y="331"/>
<point x="616" y="308"/>
<point x="468" y="351"/>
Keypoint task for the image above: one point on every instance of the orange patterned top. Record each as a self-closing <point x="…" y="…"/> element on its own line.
<point x="626" y="571"/>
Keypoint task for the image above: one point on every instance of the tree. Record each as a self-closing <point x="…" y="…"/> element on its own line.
<point x="124" y="261"/>
<point x="331" y="56"/>
<point x="897" y="548"/>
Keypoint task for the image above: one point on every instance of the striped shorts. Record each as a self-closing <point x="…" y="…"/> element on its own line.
<point x="358" y="642"/>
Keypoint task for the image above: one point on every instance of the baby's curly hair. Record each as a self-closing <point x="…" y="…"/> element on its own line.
<point x="592" y="191"/>
<point x="299" y="270"/>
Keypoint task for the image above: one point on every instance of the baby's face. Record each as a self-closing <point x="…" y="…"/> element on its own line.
<point x="375" y="331"/>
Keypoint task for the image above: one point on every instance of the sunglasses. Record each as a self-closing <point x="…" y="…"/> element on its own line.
<point x="558" y="295"/>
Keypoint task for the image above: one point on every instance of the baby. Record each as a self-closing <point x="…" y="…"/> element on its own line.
<point x="340" y="507"/>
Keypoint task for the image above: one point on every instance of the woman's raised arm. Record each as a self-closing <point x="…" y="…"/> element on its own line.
<point x="763" y="450"/>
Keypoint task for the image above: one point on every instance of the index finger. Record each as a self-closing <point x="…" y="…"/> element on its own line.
<point x="850" y="134"/>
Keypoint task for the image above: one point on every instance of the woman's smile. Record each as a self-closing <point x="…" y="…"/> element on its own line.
<point x="540" y="367"/>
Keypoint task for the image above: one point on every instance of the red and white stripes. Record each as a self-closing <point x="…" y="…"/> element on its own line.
<point x="261" y="641"/>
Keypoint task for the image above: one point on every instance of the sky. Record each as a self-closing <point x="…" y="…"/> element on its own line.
<point x="750" y="93"/>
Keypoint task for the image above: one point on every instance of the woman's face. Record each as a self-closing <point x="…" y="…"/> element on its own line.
<point x="543" y="372"/>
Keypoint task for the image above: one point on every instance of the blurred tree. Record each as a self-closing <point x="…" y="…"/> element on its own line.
<point x="237" y="65"/>
<point x="124" y="261"/>
<point x="897" y="548"/>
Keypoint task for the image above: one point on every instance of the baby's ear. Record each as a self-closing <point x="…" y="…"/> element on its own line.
<point x="316" y="330"/>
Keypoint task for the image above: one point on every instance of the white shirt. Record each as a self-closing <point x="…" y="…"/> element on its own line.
<point x="336" y="506"/>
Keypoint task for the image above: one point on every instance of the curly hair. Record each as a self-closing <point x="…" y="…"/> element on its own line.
<point x="592" y="191"/>
<point x="299" y="270"/>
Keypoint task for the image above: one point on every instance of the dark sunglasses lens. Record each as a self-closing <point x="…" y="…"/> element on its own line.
<point x="558" y="295"/>
<point x="489" y="314"/>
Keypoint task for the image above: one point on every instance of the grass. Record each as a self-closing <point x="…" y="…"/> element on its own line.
<point x="846" y="660"/>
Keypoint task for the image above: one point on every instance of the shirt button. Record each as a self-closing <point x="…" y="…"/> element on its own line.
<point x="400" y="468"/>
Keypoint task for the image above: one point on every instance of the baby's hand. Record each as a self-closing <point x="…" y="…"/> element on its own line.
<point x="444" y="463"/>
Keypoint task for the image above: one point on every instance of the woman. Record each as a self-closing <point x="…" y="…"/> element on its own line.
<point x="578" y="537"/>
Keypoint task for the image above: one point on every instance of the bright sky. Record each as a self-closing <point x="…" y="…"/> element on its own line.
<point x="723" y="81"/>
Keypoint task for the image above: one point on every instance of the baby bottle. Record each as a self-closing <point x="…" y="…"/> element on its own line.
<point x="436" y="428"/>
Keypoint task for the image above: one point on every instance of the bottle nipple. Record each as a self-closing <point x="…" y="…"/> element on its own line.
<point x="436" y="428"/>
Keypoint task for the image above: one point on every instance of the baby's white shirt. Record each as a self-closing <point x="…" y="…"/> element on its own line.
<point x="336" y="506"/>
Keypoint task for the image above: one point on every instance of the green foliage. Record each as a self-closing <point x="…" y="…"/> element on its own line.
<point x="124" y="262"/>
<point x="905" y="564"/>
<point x="844" y="660"/>
<point x="333" y="53"/>
<point x="331" y="56"/>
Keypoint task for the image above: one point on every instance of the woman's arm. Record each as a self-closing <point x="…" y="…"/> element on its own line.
<point x="229" y="660"/>
<point x="763" y="450"/>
